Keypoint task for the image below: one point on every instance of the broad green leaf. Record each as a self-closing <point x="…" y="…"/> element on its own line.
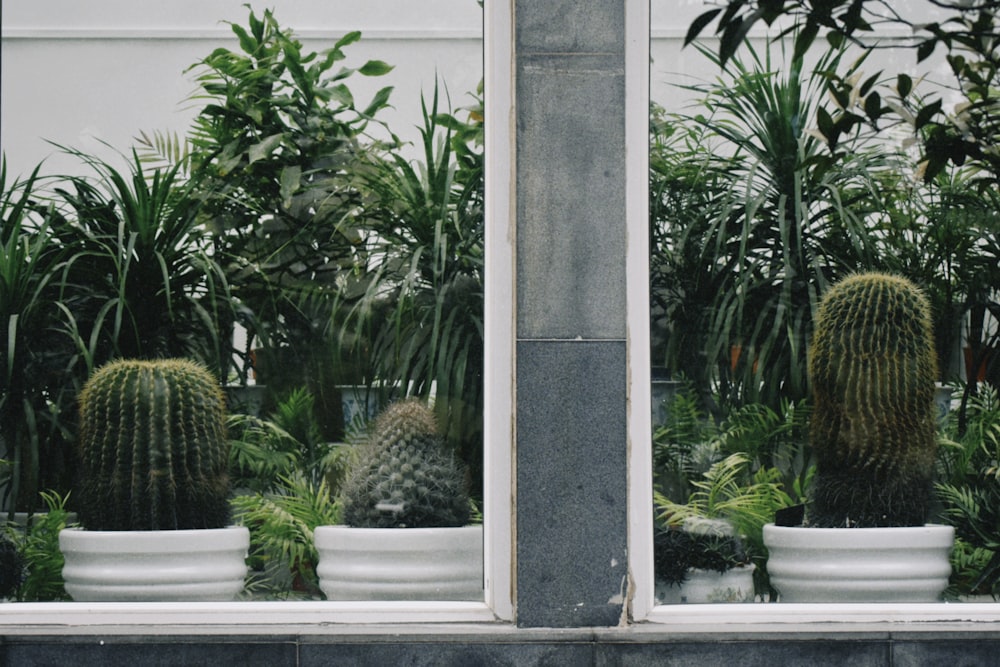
<point x="375" y="68"/>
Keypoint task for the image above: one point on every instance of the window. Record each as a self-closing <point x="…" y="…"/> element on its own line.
<point x="497" y="511"/>
<point x="668" y="65"/>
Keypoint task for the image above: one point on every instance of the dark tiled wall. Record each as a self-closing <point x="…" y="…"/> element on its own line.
<point x="548" y="648"/>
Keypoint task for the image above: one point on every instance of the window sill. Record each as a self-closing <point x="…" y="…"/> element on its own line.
<point x="824" y="618"/>
<point x="229" y="618"/>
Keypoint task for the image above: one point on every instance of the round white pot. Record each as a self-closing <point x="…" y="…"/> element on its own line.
<point x="400" y="563"/>
<point x="160" y="565"/>
<point x="908" y="564"/>
<point x="735" y="585"/>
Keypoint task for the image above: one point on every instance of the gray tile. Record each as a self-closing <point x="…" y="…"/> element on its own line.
<point x="434" y="654"/>
<point x="964" y="652"/>
<point x="148" y="651"/>
<point x="571" y="238"/>
<point x="571" y="483"/>
<point x="570" y="25"/>
<point x="771" y="653"/>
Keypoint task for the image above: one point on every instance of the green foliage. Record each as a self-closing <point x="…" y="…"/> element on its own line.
<point x="37" y="543"/>
<point x="690" y="442"/>
<point x="32" y="350"/>
<point x="281" y="523"/>
<point x="292" y="476"/>
<point x="967" y="35"/>
<point x="404" y="478"/>
<point x="275" y="151"/>
<point x="422" y="308"/>
<point x="873" y="366"/>
<point x="969" y="495"/>
<point x="143" y="281"/>
<point x="750" y="223"/>
<point x="288" y="443"/>
<point x="153" y="447"/>
<point x="730" y="491"/>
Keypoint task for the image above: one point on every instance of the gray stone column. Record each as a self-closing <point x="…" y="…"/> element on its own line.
<point x="571" y="439"/>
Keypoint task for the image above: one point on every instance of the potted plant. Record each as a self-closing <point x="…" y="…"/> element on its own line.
<point x="705" y="547"/>
<point x="154" y="489"/>
<point x="702" y="561"/>
<point x="406" y="510"/>
<point x="874" y="437"/>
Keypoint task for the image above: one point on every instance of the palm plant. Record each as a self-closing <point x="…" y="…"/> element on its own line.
<point x="782" y="221"/>
<point x="289" y="442"/>
<point x="281" y="526"/>
<point x="292" y="476"/>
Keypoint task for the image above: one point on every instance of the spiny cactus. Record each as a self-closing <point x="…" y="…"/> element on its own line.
<point x="153" y="447"/>
<point x="872" y="367"/>
<point x="404" y="477"/>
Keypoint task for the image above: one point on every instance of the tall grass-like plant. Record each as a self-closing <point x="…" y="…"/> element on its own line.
<point x="143" y="282"/>
<point x="782" y="222"/>
<point x="32" y="350"/>
<point x="423" y="306"/>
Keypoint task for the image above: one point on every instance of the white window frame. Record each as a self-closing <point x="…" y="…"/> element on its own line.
<point x="322" y="617"/>
<point x="714" y="618"/>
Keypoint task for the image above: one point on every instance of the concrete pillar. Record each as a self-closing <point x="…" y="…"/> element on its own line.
<point x="571" y="365"/>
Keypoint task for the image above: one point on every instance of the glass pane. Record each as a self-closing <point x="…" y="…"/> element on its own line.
<point x="774" y="181"/>
<point x="295" y="206"/>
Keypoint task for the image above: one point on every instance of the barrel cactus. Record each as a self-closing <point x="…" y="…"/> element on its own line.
<point x="872" y="367"/>
<point x="153" y="447"/>
<point x="404" y="477"/>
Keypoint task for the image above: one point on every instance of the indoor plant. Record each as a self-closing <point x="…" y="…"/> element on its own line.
<point x="872" y="368"/>
<point x="154" y="489"/>
<point x="705" y="548"/>
<point x="406" y="508"/>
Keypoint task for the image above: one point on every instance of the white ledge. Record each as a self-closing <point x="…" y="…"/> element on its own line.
<point x="203" y="618"/>
<point x="797" y="618"/>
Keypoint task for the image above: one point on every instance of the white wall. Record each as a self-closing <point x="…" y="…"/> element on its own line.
<point x="81" y="73"/>
<point x="84" y="72"/>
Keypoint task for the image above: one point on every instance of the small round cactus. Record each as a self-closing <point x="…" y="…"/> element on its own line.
<point x="872" y="366"/>
<point x="404" y="478"/>
<point x="153" y="447"/>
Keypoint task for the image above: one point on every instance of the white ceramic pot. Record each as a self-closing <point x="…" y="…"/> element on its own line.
<point x="735" y="585"/>
<point x="400" y="563"/>
<point x="160" y="565"/>
<point x="908" y="564"/>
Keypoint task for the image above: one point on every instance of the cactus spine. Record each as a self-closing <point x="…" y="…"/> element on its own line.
<point x="404" y="477"/>
<point x="153" y="447"/>
<point x="872" y="366"/>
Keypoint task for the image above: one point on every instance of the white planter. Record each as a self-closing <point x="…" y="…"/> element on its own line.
<point x="400" y="563"/>
<point x="735" y="585"/>
<point x="859" y="564"/>
<point x="160" y="565"/>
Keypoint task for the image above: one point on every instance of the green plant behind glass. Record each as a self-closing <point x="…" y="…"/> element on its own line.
<point x="422" y="309"/>
<point x="34" y="354"/>
<point x="143" y="282"/>
<point x="37" y="543"/>
<point x="274" y="150"/>
<point x="769" y="221"/>
<point x="286" y="478"/>
<point x="969" y="494"/>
